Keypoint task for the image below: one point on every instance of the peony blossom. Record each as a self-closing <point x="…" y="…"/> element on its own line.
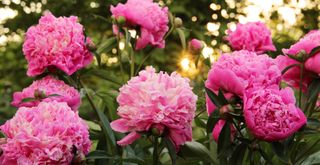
<point x="48" y="86"/>
<point x="157" y="101"/>
<point x="147" y="16"/>
<point x="56" y="43"/>
<point x="195" y="46"/>
<point x="238" y="71"/>
<point x="49" y="133"/>
<point x="271" y="114"/>
<point x="307" y="43"/>
<point x="252" y="36"/>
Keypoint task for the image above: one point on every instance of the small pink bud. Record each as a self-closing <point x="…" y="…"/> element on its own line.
<point x="38" y="94"/>
<point x="157" y="130"/>
<point x="195" y="46"/>
<point x="90" y="45"/>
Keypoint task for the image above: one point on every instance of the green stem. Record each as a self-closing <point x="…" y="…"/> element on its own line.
<point x="155" y="151"/>
<point x="132" y="63"/>
<point x="300" y="84"/>
<point x="143" y="61"/>
<point x="120" y="58"/>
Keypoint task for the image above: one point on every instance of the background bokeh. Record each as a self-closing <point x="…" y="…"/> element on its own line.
<point x="203" y="19"/>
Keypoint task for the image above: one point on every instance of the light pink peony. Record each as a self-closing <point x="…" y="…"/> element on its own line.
<point x="156" y="100"/>
<point x="252" y="36"/>
<point x="149" y="17"/>
<point x="271" y="114"/>
<point x="56" y="43"/>
<point x="235" y="72"/>
<point x="46" y="134"/>
<point x="49" y="86"/>
<point x="307" y="43"/>
<point x="195" y="46"/>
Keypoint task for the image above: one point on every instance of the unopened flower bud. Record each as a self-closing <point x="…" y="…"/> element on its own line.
<point x="195" y="46"/>
<point x="39" y="94"/>
<point x="157" y="130"/>
<point x="224" y="111"/>
<point x="178" y="22"/>
<point x="91" y="46"/>
<point x="121" y="21"/>
<point x="302" y="54"/>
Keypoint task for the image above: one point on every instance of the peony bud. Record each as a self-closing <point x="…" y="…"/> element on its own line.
<point x="157" y="130"/>
<point x="178" y="22"/>
<point x="38" y="94"/>
<point x="224" y="111"/>
<point x="121" y="21"/>
<point x="91" y="46"/>
<point x="195" y="46"/>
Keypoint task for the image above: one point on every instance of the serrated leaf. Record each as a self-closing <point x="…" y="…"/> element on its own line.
<point x="196" y="150"/>
<point x="171" y="148"/>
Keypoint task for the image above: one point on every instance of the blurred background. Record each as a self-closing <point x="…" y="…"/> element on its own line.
<point x="203" y="19"/>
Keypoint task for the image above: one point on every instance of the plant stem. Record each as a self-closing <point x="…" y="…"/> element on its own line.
<point x="155" y="151"/>
<point x="143" y="61"/>
<point x="300" y="84"/>
<point x="132" y="63"/>
<point x="119" y="55"/>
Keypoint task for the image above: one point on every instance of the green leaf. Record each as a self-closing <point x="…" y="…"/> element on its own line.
<point x="28" y="99"/>
<point x="238" y="154"/>
<point x="53" y="95"/>
<point x="294" y="58"/>
<point x="278" y="149"/>
<point x="289" y="67"/>
<point x="224" y="141"/>
<point x="182" y="38"/>
<point x="104" y="74"/>
<point x="314" y="51"/>
<point x="107" y="45"/>
<point x="99" y="154"/>
<point x="171" y="148"/>
<point x="214" y="98"/>
<point x="265" y="156"/>
<point x="106" y="127"/>
<point x="221" y="98"/>
<point x="212" y="120"/>
<point x="196" y="150"/>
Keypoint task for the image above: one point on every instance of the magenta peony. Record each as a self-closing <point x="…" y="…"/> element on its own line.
<point x="149" y="17"/>
<point x="156" y="101"/>
<point x="307" y="43"/>
<point x="252" y="36"/>
<point x="48" y="86"/>
<point x="56" y="43"/>
<point x="46" y="134"/>
<point x="271" y="114"/>
<point x="235" y="72"/>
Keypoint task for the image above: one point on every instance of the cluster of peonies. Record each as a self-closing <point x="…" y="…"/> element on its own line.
<point x="252" y="36"/>
<point x="156" y="101"/>
<point x="270" y="113"/>
<point x="47" y="128"/>
<point x="148" y="17"/>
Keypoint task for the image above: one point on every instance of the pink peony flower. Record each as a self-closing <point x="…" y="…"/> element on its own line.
<point x="46" y="134"/>
<point x="49" y="86"/>
<point x="307" y="43"/>
<point x="149" y="17"/>
<point x="271" y="114"/>
<point x="252" y="36"/>
<point x="195" y="46"/>
<point x="235" y="72"/>
<point x="56" y="43"/>
<point x="156" y="100"/>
